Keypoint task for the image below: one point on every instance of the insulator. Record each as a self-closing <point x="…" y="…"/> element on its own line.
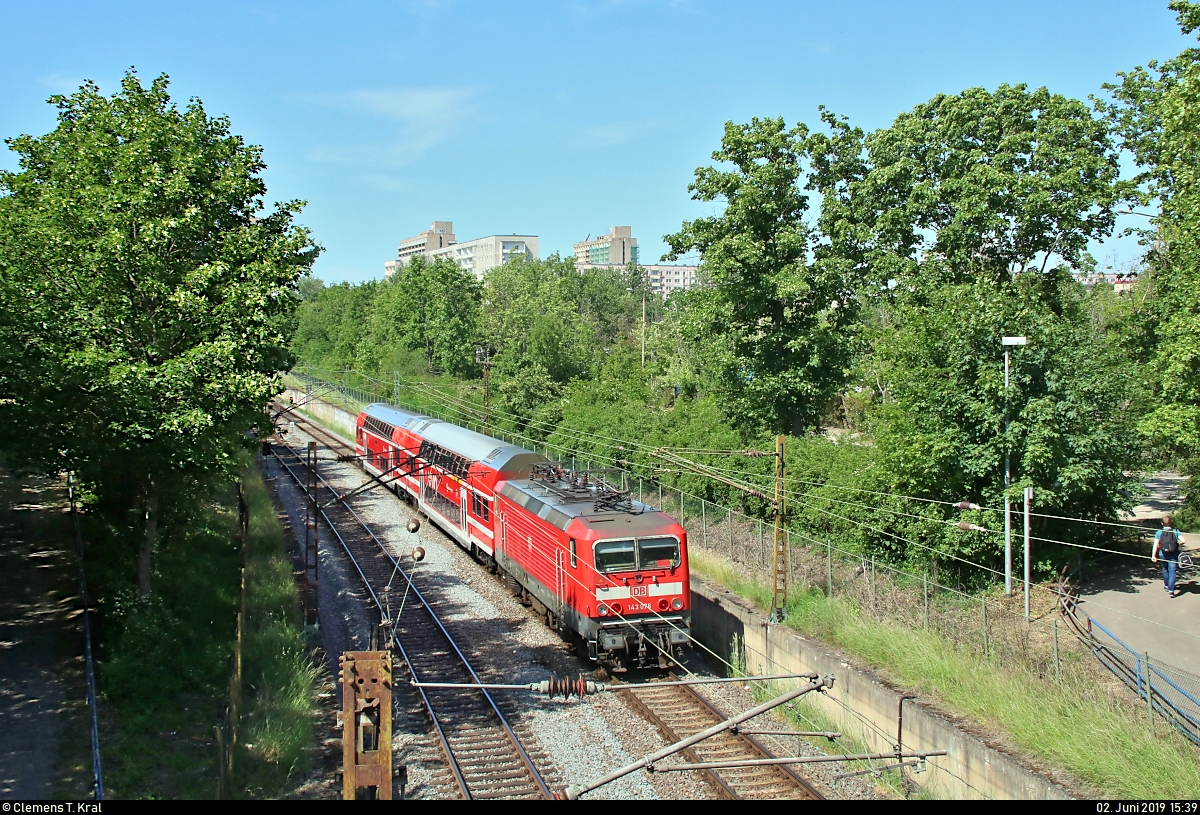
<point x="566" y="687"/>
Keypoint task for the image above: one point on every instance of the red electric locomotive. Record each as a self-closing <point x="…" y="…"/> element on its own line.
<point x="593" y="561"/>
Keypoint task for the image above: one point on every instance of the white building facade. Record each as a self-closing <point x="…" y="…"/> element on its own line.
<point x="476" y="256"/>
<point x="483" y="254"/>
<point x="663" y="278"/>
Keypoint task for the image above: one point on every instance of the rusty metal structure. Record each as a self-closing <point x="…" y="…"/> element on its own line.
<point x="779" y="599"/>
<point x="366" y="718"/>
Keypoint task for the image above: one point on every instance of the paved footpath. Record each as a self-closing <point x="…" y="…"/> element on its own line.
<point x="1133" y="604"/>
<point x="1134" y="607"/>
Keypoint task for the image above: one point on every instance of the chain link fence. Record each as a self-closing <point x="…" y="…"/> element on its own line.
<point x="988" y="624"/>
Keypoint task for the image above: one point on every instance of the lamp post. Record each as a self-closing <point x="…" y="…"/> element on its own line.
<point x="630" y="290"/>
<point x="1008" y="343"/>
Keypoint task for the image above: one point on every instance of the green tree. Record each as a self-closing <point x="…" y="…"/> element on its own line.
<point x="428" y="306"/>
<point x="774" y="325"/>
<point x="157" y="294"/>
<point x="332" y="325"/>
<point x="1156" y="113"/>
<point x="940" y="430"/>
<point x="531" y="314"/>
<point x="963" y="186"/>
<point x="962" y="221"/>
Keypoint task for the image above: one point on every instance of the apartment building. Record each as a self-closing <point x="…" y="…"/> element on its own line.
<point x="476" y="256"/>
<point x="664" y="278"/>
<point x="616" y="248"/>
<point x="482" y="254"/>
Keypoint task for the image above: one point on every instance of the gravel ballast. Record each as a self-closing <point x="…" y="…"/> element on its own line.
<point x="571" y="741"/>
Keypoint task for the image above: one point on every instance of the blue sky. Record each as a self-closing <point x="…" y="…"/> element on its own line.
<point x="556" y="119"/>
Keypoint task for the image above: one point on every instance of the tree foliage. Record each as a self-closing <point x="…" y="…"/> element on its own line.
<point x="146" y="295"/>
<point x="774" y="324"/>
<point x="979" y="183"/>
<point x="1156" y="112"/>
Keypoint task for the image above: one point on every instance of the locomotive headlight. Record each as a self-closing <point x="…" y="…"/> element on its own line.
<point x="602" y="610"/>
<point x="677" y="603"/>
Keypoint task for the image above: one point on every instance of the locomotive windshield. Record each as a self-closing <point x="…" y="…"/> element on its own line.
<point x="658" y="553"/>
<point x="615" y="556"/>
<point x="644" y="553"/>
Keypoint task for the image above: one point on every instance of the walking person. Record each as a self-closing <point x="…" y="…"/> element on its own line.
<point x="1166" y="544"/>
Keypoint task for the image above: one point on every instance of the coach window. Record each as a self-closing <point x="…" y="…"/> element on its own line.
<point x="479" y="507"/>
<point x="574" y="559"/>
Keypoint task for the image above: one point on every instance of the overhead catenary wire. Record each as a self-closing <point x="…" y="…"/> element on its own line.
<point x="801" y="496"/>
<point x="842" y="704"/>
<point x="626" y="445"/>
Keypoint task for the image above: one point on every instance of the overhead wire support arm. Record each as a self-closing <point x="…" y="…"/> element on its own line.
<point x="396" y="471"/>
<point x="778" y="505"/>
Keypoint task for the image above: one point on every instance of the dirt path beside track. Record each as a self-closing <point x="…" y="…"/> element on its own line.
<point x="39" y="639"/>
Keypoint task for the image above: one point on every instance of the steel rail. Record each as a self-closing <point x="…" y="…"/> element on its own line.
<point x="753" y="745"/>
<point x="728" y="787"/>
<point x="462" y="659"/>
<point x="437" y="726"/>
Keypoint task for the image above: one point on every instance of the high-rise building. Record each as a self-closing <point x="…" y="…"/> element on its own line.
<point x="476" y="256"/>
<point x="663" y="278"/>
<point x="439" y="235"/>
<point x="616" y="248"/>
<point x="482" y="254"/>
<point x="666" y="278"/>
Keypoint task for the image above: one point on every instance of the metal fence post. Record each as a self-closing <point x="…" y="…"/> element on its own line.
<point x="730" y="513"/>
<point x="703" y="524"/>
<point x="1149" y="694"/>
<point x="1057" y="662"/>
<point x="874" y="602"/>
<point x="925" y="594"/>
<point x="829" y="567"/>
<point x="985" y="632"/>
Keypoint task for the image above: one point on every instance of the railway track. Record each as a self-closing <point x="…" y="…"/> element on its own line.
<point x="485" y="756"/>
<point x="678" y="712"/>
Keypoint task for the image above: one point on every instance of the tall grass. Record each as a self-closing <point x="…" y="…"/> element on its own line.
<point x="1101" y="739"/>
<point x="280" y="676"/>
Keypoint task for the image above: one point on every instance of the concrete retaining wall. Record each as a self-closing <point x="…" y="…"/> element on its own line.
<point x="329" y="415"/>
<point x="970" y="770"/>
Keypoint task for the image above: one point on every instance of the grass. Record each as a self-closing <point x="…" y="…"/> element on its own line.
<point x="280" y="676"/>
<point x="165" y="664"/>
<point x="1099" y="738"/>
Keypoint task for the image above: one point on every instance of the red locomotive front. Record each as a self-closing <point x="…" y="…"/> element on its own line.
<point x="601" y="564"/>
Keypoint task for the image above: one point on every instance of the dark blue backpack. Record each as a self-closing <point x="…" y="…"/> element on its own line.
<point x="1168" y="543"/>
